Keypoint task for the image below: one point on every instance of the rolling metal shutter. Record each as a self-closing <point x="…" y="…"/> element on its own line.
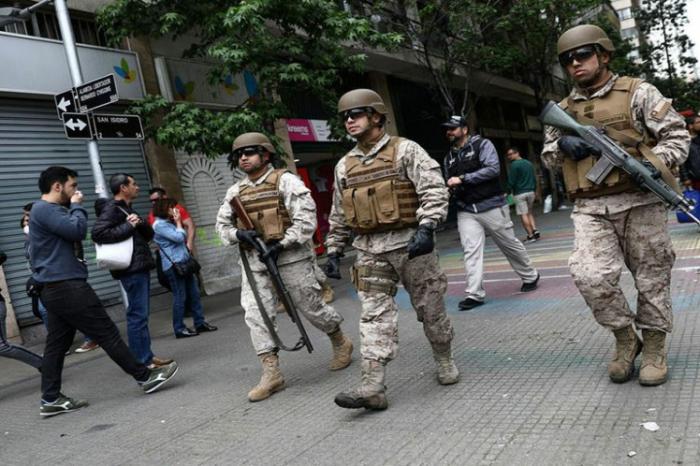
<point x="31" y="139"/>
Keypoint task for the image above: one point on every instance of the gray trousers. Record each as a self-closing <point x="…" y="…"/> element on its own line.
<point x="8" y="350"/>
<point x="472" y="235"/>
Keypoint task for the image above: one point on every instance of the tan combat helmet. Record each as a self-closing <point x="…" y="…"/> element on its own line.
<point x="361" y="98"/>
<point x="584" y="34"/>
<point x="253" y="140"/>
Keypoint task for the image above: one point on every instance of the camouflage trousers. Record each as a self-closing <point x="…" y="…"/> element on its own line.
<point x="305" y="291"/>
<point x="638" y="239"/>
<point x="425" y="282"/>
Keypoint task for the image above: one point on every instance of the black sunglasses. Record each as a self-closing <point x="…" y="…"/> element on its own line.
<point x="238" y="153"/>
<point x="354" y="113"/>
<point x="580" y="55"/>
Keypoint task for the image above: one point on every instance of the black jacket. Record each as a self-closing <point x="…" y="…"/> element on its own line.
<point x="690" y="170"/>
<point x="111" y="227"/>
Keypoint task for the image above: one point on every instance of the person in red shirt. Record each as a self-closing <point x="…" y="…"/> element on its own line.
<point x="187" y="222"/>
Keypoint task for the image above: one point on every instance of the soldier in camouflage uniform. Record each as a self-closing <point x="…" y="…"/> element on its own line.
<point x="616" y="224"/>
<point x="391" y="195"/>
<point x="284" y="215"/>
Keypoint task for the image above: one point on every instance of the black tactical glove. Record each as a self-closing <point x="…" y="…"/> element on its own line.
<point x="332" y="266"/>
<point x="274" y="248"/>
<point x="248" y="237"/>
<point x="576" y="148"/>
<point x="422" y="242"/>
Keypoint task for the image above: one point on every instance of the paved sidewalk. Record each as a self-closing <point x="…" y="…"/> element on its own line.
<point x="534" y="387"/>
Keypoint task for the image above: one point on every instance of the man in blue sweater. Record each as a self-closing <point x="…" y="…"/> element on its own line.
<point x="58" y="225"/>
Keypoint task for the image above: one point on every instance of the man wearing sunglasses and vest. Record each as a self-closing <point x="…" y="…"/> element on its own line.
<point x="616" y="224"/>
<point x="391" y="195"/>
<point x="284" y="215"/>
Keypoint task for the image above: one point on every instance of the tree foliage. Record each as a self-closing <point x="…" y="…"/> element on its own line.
<point x="298" y="46"/>
<point x="667" y="51"/>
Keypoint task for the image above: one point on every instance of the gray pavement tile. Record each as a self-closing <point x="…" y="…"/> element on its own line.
<point x="534" y="388"/>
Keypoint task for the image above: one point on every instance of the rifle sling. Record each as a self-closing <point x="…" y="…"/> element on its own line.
<point x="266" y="318"/>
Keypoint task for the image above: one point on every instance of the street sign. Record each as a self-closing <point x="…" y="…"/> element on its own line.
<point x="65" y="102"/>
<point x="109" y="126"/>
<point x="97" y="93"/>
<point x="77" y="125"/>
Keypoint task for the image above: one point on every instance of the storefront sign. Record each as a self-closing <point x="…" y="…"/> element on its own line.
<point x="302" y="130"/>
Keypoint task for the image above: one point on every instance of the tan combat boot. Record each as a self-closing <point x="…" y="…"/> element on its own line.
<point x="370" y="395"/>
<point x="271" y="380"/>
<point x="327" y="293"/>
<point x="653" y="370"/>
<point x="627" y="348"/>
<point x="447" y="370"/>
<point x="342" y="350"/>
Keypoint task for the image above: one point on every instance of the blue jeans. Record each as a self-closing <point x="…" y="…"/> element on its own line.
<point x="138" y="289"/>
<point x="185" y="293"/>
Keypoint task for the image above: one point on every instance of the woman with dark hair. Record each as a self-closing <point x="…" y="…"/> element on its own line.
<point x="172" y="241"/>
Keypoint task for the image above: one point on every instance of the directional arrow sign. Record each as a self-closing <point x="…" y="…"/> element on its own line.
<point x="77" y="125"/>
<point x="97" y="93"/>
<point x="108" y="126"/>
<point x="65" y="102"/>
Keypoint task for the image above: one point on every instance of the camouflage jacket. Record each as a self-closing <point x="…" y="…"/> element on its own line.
<point x="669" y="132"/>
<point x="297" y="239"/>
<point x="416" y="165"/>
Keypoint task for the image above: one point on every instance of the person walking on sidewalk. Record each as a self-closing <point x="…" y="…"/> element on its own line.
<point x="38" y="308"/>
<point x="690" y="169"/>
<point x="617" y="224"/>
<point x="472" y="170"/>
<point x="8" y="350"/>
<point x="116" y="222"/>
<point x="284" y="215"/>
<point x="171" y="238"/>
<point x="391" y="195"/>
<point x="58" y="225"/>
<point x="522" y="184"/>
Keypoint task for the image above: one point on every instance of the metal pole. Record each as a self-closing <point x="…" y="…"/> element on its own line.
<point x="77" y="77"/>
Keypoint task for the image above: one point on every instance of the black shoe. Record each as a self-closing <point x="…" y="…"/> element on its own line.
<point x="186" y="333"/>
<point x="469" y="303"/>
<point x="536" y="234"/>
<point x="206" y="327"/>
<point x="529" y="239"/>
<point x="532" y="286"/>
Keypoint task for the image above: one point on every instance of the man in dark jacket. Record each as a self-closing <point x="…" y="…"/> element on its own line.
<point x="472" y="169"/>
<point x="117" y="222"/>
<point x="690" y="170"/>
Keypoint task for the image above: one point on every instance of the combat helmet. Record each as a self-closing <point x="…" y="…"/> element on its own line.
<point x="361" y="98"/>
<point x="255" y="140"/>
<point x="584" y="34"/>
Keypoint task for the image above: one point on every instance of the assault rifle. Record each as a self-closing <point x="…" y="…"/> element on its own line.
<point x="613" y="156"/>
<point x="282" y="293"/>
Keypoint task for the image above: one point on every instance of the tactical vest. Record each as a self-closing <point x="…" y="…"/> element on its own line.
<point x="265" y="207"/>
<point x="376" y="197"/>
<point x="613" y="113"/>
<point x="467" y="160"/>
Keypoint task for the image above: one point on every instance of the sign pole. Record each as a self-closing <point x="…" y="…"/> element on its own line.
<point x="77" y="77"/>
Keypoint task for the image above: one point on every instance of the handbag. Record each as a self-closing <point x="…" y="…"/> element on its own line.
<point x="186" y="268"/>
<point x="115" y="256"/>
